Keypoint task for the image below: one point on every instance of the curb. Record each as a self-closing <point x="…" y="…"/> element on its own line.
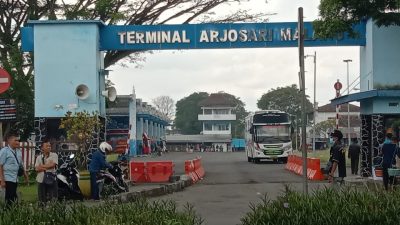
<point x="164" y="189"/>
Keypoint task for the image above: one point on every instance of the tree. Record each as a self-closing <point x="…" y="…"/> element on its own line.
<point x="166" y="105"/>
<point x="287" y="99"/>
<point x="80" y="127"/>
<point x="14" y="14"/>
<point x="187" y="111"/>
<point x="338" y="16"/>
<point x="323" y="128"/>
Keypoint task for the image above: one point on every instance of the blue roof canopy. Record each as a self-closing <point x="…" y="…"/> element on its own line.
<point x="365" y="95"/>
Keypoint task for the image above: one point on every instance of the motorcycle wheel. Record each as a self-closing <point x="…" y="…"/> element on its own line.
<point x="126" y="187"/>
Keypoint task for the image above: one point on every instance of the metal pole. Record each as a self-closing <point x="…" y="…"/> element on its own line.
<point x="315" y="98"/>
<point x="297" y="133"/>
<point x="303" y="99"/>
<point x="348" y="104"/>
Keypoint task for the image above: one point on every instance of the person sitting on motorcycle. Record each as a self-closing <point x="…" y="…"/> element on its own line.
<point x="97" y="163"/>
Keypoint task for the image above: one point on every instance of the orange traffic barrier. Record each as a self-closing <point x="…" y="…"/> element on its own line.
<point x="315" y="169"/>
<point x="189" y="170"/>
<point x="198" y="168"/>
<point x="289" y="164"/>
<point x="159" y="171"/>
<point x="138" y="172"/>
<point x="295" y="164"/>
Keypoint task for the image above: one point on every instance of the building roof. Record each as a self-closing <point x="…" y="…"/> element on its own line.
<point x="218" y="99"/>
<point x="198" y="138"/>
<point x="365" y="95"/>
<point x="343" y="108"/>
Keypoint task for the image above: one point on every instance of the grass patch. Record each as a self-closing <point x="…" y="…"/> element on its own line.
<point x="28" y="193"/>
<point x="323" y="155"/>
<point x="327" y="206"/>
<point x="140" y="211"/>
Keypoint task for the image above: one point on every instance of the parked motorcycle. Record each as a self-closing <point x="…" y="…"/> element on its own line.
<point x="111" y="181"/>
<point x="67" y="181"/>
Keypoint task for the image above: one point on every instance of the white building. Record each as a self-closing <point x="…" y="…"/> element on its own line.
<point x="217" y="114"/>
<point x="328" y="112"/>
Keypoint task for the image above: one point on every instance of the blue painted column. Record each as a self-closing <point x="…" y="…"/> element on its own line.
<point x="132" y="124"/>
<point x="151" y="129"/>
<point x="139" y="133"/>
<point x="146" y="127"/>
<point x="163" y="131"/>
<point x="157" y="132"/>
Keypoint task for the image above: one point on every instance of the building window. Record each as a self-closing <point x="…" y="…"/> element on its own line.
<point x="222" y="126"/>
<point x="221" y="111"/>
<point x="207" y="111"/>
<point x="207" y="126"/>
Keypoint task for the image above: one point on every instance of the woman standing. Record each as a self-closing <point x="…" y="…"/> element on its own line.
<point x="46" y="162"/>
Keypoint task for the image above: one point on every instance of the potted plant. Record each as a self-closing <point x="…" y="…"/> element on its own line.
<point x="81" y="128"/>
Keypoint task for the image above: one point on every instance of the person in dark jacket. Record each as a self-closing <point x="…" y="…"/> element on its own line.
<point x="97" y="163"/>
<point x="338" y="158"/>
<point x="354" y="156"/>
<point x="389" y="151"/>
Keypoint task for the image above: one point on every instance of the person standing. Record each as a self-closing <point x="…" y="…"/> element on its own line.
<point x="338" y="158"/>
<point x="46" y="162"/>
<point x="11" y="167"/>
<point x="97" y="163"/>
<point x="389" y="151"/>
<point x="354" y="156"/>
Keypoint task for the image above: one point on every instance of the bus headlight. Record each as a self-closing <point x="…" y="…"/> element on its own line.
<point x="287" y="148"/>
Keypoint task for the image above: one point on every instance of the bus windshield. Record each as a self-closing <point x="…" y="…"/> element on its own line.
<point x="273" y="134"/>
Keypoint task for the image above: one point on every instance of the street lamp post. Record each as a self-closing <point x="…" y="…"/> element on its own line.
<point x="348" y="104"/>
<point x="315" y="101"/>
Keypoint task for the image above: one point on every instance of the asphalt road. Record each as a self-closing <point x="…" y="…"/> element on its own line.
<point x="230" y="185"/>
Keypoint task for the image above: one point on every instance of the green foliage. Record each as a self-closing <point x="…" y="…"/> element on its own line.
<point x="345" y="207"/>
<point x="28" y="193"/>
<point x="21" y="90"/>
<point x="321" y="128"/>
<point x="287" y="99"/>
<point x="140" y="212"/>
<point x="80" y="127"/>
<point x="338" y="16"/>
<point x="187" y="111"/>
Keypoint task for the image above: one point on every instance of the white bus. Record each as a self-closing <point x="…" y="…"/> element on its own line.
<point x="268" y="136"/>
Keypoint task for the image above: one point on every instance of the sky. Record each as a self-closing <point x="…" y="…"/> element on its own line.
<point x="245" y="73"/>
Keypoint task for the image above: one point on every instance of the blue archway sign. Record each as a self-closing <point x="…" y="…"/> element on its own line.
<point x="207" y="36"/>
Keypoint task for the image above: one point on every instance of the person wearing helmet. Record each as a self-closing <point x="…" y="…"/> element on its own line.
<point x="97" y="163"/>
<point x="338" y="158"/>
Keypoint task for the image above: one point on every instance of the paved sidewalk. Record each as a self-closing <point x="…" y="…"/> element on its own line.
<point x="153" y="190"/>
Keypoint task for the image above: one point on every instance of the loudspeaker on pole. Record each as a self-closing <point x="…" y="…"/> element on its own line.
<point x="82" y="91"/>
<point x="110" y="93"/>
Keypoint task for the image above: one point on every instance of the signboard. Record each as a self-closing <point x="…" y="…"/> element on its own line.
<point x="5" y="80"/>
<point x="8" y="110"/>
<point x="338" y="86"/>
<point x="206" y="36"/>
